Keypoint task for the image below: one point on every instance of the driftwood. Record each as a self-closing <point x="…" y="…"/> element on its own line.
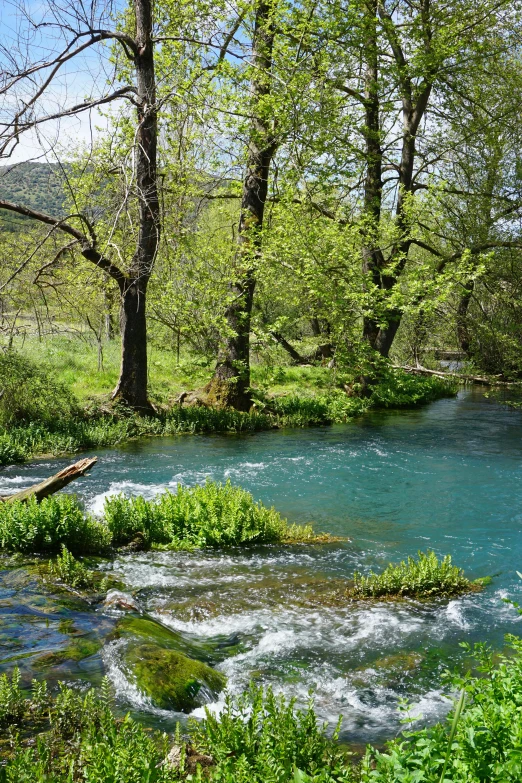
<point x="483" y="380"/>
<point x="55" y="483"/>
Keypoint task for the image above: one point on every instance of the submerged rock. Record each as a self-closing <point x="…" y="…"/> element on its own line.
<point x="171" y="679"/>
<point x="123" y="602"/>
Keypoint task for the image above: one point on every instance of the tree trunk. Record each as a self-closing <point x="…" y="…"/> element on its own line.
<point x="132" y="385"/>
<point x="230" y="384"/>
<point x="372" y="257"/>
<point x="463" y="335"/>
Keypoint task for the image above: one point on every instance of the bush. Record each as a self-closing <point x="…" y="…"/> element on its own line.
<point x="46" y="526"/>
<point x="420" y="578"/>
<point x="30" y="394"/>
<point x="211" y="515"/>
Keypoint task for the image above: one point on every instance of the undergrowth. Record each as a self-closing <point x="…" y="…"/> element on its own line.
<point x="39" y="415"/>
<point x="261" y="738"/>
<point x="418" y="578"/>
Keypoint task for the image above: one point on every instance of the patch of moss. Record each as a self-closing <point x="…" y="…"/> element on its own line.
<point x="75" y="651"/>
<point x="170" y="679"/>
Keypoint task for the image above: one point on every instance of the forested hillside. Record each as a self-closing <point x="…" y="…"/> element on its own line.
<point x="37" y="185"/>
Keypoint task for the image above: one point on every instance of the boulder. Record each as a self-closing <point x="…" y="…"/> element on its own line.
<point x="172" y="680"/>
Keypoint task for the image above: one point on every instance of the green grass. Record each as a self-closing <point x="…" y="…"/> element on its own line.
<point x="212" y="515"/>
<point x="423" y="577"/>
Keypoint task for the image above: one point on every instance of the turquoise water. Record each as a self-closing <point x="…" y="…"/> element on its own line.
<point x="447" y="477"/>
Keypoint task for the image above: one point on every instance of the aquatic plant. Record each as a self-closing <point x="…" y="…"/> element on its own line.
<point x="211" y="515"/>
<point x="70" y="571"/>
<point x="46" y="526"/>
<point x="423" y="577"/>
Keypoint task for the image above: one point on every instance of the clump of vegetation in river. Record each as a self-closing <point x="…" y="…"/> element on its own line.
<point x="211" y="515"/>
<point x="424" y="577"/>
<point x="47" y="526"/>
<point x="67" y="569"/>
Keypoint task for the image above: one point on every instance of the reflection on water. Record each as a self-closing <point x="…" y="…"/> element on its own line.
<point x="448" y="477"/>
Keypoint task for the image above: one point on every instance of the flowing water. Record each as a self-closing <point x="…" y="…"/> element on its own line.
<point x="447" y="476"/>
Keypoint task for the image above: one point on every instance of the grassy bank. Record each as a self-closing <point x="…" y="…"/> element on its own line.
<point x="212" y="515"/>
<point x="42" y="413"/>
<point x="260" y="738"/>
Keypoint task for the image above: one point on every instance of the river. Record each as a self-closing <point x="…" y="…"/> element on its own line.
<point x="447" y="476"/>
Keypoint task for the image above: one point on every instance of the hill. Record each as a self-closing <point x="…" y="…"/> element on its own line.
<point x="35" y="185"/>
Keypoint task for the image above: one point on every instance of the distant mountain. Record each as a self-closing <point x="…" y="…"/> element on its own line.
<point x="35" y="185"/>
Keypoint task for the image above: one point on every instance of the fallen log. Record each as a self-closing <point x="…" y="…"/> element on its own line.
<point x="53" y="484"/>
<point x="483" y="380"/>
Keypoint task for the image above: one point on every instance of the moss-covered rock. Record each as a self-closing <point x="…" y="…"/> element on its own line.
<point x="172" y="680"/>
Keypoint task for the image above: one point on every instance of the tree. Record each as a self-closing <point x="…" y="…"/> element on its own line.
<point x="80" y="28"/>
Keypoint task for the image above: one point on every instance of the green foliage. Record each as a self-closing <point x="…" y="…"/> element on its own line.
<point x="399" y="389"/>
<point x="427" y="576"/>
<point x="47" y="526"/>
<point x="70" y="571"/>
<point x="260" y="738"/>
<point x="30" y="394"/>
<point x="486" y="739"/>
<point x="36" y="185"/>
<point x="12" y="702"/>
<point x="211" y="515"/>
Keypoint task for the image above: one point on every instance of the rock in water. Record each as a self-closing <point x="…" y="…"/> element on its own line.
<point x="123" y="602"/>
<point x="172" y="680"/>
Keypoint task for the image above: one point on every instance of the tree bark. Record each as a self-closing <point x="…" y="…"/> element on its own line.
<point x="230" y="384"/>
<point x="372" y="256"/>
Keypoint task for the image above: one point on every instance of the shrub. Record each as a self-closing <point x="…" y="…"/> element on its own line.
<point x="30" y="394"/>
<point x="421" y="578"/>
<point x="46" y="526"/>
<point x="211" y="515"/>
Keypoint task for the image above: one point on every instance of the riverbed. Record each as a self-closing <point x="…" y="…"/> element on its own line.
<point x="447" y="476"/>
